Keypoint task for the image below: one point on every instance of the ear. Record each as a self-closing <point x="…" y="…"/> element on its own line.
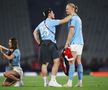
<point x="49" y="14"/>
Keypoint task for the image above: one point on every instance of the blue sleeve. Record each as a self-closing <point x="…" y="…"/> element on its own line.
<point x="16" y="53"/>
<point x="55" y="22"/>
<point x="73" y="21"/>
<point x="37" y="28"/>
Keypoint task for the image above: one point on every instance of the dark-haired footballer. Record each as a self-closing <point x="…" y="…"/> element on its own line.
<point x="48" y="47"/>
<point x="14" y="73"/>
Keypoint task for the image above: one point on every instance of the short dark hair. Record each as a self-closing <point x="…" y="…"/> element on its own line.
<point x="46" y="12"/>
<point x="14" y="42"/>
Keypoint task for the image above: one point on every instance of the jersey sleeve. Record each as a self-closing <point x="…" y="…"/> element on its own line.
<point x="16" y="53"/>
<point x="37" y="28"/>
<point x="73" y="21"/>
<point x="55" y="22"/>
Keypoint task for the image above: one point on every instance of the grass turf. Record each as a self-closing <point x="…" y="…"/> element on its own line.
<point x="36" y="83"/>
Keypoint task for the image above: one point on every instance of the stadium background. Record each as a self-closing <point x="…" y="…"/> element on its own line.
<point x="20" y="17"/>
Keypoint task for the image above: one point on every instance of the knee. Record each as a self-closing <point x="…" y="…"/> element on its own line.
<point x="56" y="62"/>
<point x="72" y="62"/>
<point x="5" y="74"/>
<point x="78" y="61"/>
<point x="44" y="66"/>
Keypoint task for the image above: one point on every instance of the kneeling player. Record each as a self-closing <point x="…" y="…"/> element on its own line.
<point x="14" y="72"/>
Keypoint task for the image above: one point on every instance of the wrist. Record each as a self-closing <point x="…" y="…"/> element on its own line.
<point x="67" y="43"/>
<point x="38" y="44"/>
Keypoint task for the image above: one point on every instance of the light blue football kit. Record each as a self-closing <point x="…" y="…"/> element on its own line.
<point x="16" y="59"/>
<point x="47" y="29"/>
<point x="77" y="39"/>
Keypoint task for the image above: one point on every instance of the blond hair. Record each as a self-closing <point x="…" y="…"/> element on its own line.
<point x="73" y="6"/>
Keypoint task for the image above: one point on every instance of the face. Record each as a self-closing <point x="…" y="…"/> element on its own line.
<point x="52" y="15"/>
<point x="69" y="10"/>
<point x="10" y="44"/>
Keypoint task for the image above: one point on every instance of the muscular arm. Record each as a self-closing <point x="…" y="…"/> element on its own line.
<point x="65" y="20"/>
<point x="70" y="35"/>
<point x="36" y="36"/>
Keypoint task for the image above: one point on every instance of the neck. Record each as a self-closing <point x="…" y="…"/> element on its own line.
<point x="49" y="17"/>
<point x="73" y="13"/>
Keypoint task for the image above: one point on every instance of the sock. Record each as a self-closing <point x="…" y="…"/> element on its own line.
<point x="69" y="82"/>
<point x="45" y="79"/>
<point x="80" y="81"/>
<point x="53" y="77"/>
<point x="80" y="72"/>
<point x="71" y="71"/>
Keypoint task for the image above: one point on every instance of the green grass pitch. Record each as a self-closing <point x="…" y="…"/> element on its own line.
<point x="36" y="83"/>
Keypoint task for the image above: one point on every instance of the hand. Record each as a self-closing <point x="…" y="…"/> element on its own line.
<point x="38" y="43"/>
<point x="1" y="50"/>
<point x="0" y="46"/>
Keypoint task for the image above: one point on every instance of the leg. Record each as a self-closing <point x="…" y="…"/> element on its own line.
<point x="44" y="73"/>
<point x="79" y="70"/>
<point x="44" y="69"/>
<point x="72" y="66"/>
<point x="20" y="82"/>
<point x="71" y="71"/>
<point x="8" y="82"/>
<point x="56" y="63"/>
<point x="12" y="75"/>
<point x="55" y="67"/>
<point x="79" y="66"/>
<point x="55" y="58"/>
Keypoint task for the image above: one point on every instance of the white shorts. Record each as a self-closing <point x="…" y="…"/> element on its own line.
<point x="77" y="48"/>
<point x="18" y="70"/>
